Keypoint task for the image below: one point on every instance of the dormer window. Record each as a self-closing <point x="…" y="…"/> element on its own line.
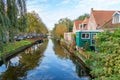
<point x="82" y="26"/>
<point x="116" y="18"/>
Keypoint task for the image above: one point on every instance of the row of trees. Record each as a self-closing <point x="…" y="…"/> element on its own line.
<point x="12" y="17"/>
<point x="35" y="24"/>
<point x="14" y="20"/>
<point x="65" y="25"/>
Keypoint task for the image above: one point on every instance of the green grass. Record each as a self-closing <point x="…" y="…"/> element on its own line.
<point x="13" y="46"/>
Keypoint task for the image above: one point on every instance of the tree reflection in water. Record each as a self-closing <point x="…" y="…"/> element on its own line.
<point x="61" y="52"/>
<point x="53" y="64"/>
<point x="28" y="60"/>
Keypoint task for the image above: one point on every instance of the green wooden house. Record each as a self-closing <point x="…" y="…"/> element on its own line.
<point x="86" y="38"/>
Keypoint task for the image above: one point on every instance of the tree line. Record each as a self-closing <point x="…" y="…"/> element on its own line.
<point x="35" y="24"/>
<point x="14" y="19"/>
<point x="65" y="25"/>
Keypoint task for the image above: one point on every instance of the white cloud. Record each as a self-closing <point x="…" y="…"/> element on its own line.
<point x="50" y="17"/>
<point x="65" y="1"/>
<point x="99" y="4"/>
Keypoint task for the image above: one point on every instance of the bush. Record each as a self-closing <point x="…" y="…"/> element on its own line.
<point x="107" y="60"/>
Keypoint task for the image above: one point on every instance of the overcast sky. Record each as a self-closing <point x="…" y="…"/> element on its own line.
<point x="52" y="10"/>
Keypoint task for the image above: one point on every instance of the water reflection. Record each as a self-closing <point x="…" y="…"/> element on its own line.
<point x="59" y="50"/>
<point x="62" y="53"/>
<point x="17" y="67"/>
<point x="43" y="62"/>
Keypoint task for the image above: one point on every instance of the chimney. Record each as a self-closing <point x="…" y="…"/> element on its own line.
<point x="91" y="9"/>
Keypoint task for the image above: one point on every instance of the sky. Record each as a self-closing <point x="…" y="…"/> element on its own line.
<point x="51" y="11"/>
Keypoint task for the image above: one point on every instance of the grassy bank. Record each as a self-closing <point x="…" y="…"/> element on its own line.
<point x="13" y="46"/>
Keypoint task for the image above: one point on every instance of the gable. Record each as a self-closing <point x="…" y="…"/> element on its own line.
<point x="77" y="24"/>
<point x="116" y="18"/>
<point x="116" y="13"/>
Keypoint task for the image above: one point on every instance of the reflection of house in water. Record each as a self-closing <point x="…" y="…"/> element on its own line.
<point x="29" y="50"/>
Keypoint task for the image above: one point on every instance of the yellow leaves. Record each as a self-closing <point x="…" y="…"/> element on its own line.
<point x="60" y="30"/>
<point x="119" y="71"/>
<point x="35" y="24"/>
<point x="110" y="70"/>
<point x="106" y="64"/>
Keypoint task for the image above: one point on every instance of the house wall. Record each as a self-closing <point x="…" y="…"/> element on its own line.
<point x="68" y="37"/>
<point x="74" y="28"/>
<point x="84" y="28"/>
<point x="82" y="42"/>
<point x="92" y="24"/>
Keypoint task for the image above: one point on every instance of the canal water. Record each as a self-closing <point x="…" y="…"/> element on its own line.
<point x="46" y="61"/>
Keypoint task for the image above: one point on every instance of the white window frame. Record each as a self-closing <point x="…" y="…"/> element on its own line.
<point x="85" y="33"/>
<point x="114" y="20"/>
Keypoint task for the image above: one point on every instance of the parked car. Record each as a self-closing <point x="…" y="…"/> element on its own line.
<point x="19" y="38"/>
<point x="29" y="36"/>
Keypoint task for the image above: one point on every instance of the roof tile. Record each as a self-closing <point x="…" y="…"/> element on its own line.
<point x="77" y="23"/>
<point x="101" y="16"/>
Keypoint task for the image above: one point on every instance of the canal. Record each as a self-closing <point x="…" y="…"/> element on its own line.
<point x="46" y="61"/>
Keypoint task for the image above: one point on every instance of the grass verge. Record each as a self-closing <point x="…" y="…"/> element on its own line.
<point x="13" y="46"/>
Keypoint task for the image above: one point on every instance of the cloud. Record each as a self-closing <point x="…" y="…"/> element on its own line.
<point x="99" y="4"/>
<point x="51" y="13"/>
<point x="65" y="1"/>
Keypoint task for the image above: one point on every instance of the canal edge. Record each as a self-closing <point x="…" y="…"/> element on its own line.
<point x="17" y="51"/>
<point x="81" y="61"/>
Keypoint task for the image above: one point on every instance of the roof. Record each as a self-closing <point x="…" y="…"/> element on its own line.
<point x="85" y="21"/>
<point x="111" y="25"/>
<point x="102" y="17"/>
<point x="77" y="23"/>
<point x="90" y="31"/>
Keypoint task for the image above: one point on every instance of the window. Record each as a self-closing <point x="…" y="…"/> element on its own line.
<point x="85" y="35"/>
<point x="116" y="18"/>
<point x="82" y="26"/>
<point x="93" y="38"/>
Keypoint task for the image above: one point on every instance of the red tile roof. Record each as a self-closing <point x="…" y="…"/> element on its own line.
<point x="77" y="23"/>
<point x="110" y="25"/>
<point x="85" y="21"/>
<point x="102" y="17"/>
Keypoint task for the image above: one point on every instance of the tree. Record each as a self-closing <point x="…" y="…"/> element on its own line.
<point x="60" y="30"/>
<point x="35" y="24"/>
<point x="64" y="25"/>
<point x="9" y="12"/>
<point x="68" y="23"/>
<point x="82" y="17"/>
<point x="15" y="9"/>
